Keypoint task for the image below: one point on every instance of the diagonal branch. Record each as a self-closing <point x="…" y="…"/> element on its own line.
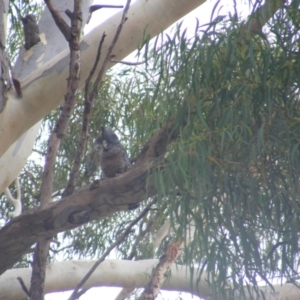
<point x="126" y="291"/>
<point x="106" y="61"/>
<point x="111" y="195"/>
<point x="84" y="129"/>
<point x="59" y="21"/>
<point x="118" y="241"/>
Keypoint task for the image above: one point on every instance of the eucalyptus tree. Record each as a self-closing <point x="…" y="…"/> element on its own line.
<point x="211" y="124"/>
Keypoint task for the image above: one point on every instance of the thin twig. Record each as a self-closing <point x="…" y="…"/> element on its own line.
<point x="23" y="286"/>
<point x="143" y="232"/>
<point x="93" y="70"/>
<point x="118" y="241"/>
<point x="69" y="104"/>
<point x="61" y="249"/>
<point x="109" y="52"/>
<point x="125" y="292"/>
<point x="88" y="102"/>
<point x="59" y="21"/>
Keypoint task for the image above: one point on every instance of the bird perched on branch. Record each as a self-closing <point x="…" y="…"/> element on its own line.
<point x="113" y="157"/>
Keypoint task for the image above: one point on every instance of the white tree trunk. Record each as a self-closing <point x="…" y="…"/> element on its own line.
<point x="64" y="276"/>
<point x="52" y="43"/>
<point x="45" y="88"/>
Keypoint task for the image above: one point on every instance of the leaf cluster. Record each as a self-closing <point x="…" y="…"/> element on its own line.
<point x="234" y="170"/>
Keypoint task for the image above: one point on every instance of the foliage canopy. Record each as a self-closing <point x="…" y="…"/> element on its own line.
<point x="234" y="171"/>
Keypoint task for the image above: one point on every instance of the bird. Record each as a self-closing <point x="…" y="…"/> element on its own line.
<point x="113" y="157"/>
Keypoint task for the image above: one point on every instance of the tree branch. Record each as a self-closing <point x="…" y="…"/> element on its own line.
<point x="128" y="63"/>
<point x="118" y="241"/>
<point x="121" y="273"/>
<point x="42" y="247"/>
<point x="97" y="6"/>
<point x="48" y="80"/>
<point x="149" y="224"/>
<point x="90" y="100"/>
<point x="37" y="283"/>
<point x="59" y="21"/>
<point x="159" y="273"/>
<point x="109" y="196"/>
<point x="125" y="292"/>
<point x="16" y="202"/>
<point x="112" y="272"/>
<point x="24" y="288"/>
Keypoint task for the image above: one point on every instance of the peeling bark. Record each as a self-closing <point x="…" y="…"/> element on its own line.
<point x="38" y="275"/>
<point x="160" y="272"/>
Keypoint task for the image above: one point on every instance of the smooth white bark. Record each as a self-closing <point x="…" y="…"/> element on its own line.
<point x="15" y="201"/>
<point x="63" y="276"/>
<point x="52" y="43"/>
<point x="45" y="88"/>
<point x="14" y="159"/>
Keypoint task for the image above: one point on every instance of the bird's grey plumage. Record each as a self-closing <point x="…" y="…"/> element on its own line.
<point x="113" y="157"/>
